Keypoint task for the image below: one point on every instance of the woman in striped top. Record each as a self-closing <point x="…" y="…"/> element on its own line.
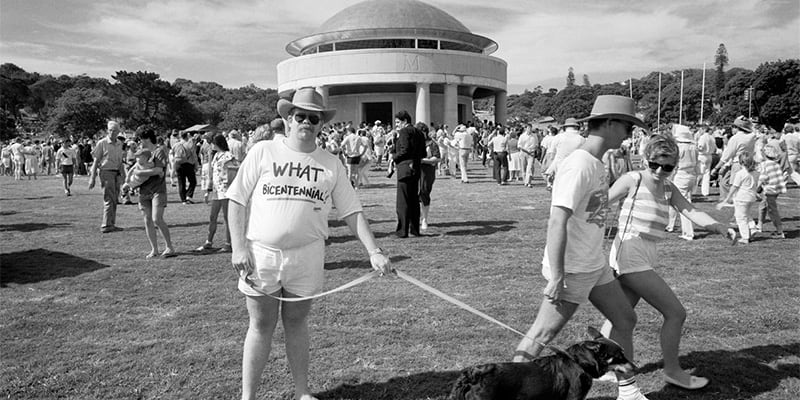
<point x="642" y="223"/>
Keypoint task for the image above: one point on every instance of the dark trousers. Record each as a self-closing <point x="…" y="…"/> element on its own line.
<point x="500" y="167"/>
<point x="408" y="211"/>
<point x="186" y="172"/>
<point x="426" y="184"/>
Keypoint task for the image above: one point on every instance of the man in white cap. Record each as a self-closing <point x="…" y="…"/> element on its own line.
<point x="462" y="139"/>
<point x="574" y="263"/>
<point x="685" y="177"/>
<point x="108" y="164"/>
<point x="743" y="140"/>
<point x="290" y="187"/>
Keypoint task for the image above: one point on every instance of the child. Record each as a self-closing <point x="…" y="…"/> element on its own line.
<point x="143" y="161"/>
<point x="773" y="180"/>
<point x="743" y="193"/>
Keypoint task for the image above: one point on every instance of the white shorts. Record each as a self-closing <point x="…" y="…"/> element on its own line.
<point x="300" y="270"/>
<point x="634" y="254"/>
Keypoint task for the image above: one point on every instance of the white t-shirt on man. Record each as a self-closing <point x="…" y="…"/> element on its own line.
<point x="581" y="185"/>
<point x="290" y="194"/>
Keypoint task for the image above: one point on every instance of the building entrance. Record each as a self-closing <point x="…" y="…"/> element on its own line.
<point x="378" y="111"/>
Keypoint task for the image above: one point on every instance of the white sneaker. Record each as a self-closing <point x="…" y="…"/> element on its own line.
<point x="423" y="225"/>
<point x="687" y="237"/>
<point x="637" y="396"/>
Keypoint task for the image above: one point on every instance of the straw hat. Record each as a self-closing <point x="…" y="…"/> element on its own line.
<point x="743" y="124"/>
<point x="682" y="133"/>
<point x="771" y="151"/>
<point x="305" y="99"/>
<point x="614" y="107"/>
<point x="571" y="122"/>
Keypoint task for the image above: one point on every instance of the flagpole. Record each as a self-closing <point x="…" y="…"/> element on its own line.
<point x="680" y="107"/>
<point x="658" y="117"/>
<point x="630" y="86"/>
<point x="703" y="93"/>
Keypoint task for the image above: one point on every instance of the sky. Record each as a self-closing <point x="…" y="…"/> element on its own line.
<point x="240" y="42"/>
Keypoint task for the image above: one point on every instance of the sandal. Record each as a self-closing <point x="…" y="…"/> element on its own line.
<point x="695" y="382"/>
<point x="151" y="255"/>
<point x="169" y="253"/>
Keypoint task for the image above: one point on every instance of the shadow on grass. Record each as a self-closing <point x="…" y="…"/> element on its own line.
<point x="426" y="385"/>
<point x="738" y="374"/>
<point x="359" y="264"/>
<point x="39" y="265"/>
<point x="30" y="227"/>
<point x="335" y="223"/>
<point x="173" y="226"/>
<point x="482" y="228"/>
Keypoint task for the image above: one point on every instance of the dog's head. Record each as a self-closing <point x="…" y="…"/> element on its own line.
<point x="600" y="355"/>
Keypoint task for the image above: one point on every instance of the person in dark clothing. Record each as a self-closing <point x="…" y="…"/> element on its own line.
<point x="408" y="155"/>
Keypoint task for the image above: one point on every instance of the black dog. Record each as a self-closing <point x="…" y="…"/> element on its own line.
<point x="566" y="375"/>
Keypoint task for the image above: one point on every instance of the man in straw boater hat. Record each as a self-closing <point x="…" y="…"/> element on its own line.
<point x="743" y="140"/>
<point x="574" y="263"/>
<point x="290" y="187"/>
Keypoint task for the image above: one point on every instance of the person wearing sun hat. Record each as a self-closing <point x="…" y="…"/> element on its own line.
<point x="278" y="207"/>
<point x="685" y="177"/>
<point x="564" y="144"/>
<point x="743" y="141"/>
<point x="574" y="263"/>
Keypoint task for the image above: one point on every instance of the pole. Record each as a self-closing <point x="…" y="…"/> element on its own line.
<point x="680" y="106"/>
<point x="703" y="93"/>
<point x="630" y="86"/>
<point x="750" y="103"/>
<point x="658" y="117"/>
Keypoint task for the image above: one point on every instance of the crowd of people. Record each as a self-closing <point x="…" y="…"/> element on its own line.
<point x="293" y="171"/>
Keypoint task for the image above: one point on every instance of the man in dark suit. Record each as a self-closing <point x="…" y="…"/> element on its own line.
<point x="409" y="151"/>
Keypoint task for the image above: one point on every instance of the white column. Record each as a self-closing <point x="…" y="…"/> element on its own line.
<point x="451" y="105"/>
<point x="423" y="110"/>
<point x="500" y="111"/>
<point x="323" y="90"/>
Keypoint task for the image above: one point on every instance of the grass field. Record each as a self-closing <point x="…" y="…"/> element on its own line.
<point x="85" y="316"/>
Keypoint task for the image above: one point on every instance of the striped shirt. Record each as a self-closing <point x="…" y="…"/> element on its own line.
<point x="771" y="177"/>
<point x="645" y="214"/>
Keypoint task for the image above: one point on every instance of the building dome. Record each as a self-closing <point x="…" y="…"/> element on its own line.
<point x="381" y="14"/>
<point x="392" y="19"/>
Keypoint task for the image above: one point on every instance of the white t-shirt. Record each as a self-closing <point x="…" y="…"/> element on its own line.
<point x="66" y="156"/>
<point x="581" y="185"/>
<point x="290" y="194"/>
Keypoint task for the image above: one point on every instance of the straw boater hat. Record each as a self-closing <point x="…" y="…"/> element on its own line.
<point x="682" y="133"/>
<point x="571" y="122"/>
<point x="743" y="124"/>
<point x="614" y="107"/>
<point x="306" y="99"/>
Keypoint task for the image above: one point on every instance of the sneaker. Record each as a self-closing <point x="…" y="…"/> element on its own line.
<point x="743" y="241"/>
<point x="687" y="237"/>
<point x="424" y="225"/>
<point x="110" y="229"/>
<point x="778" y="235"/>
<point x="225" y="249"/>
<point x="204" y="247"/>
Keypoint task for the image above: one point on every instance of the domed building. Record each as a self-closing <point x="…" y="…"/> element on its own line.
<point x="378" y="57"/>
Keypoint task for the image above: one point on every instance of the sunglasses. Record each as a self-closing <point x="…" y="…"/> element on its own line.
<point x="314" y="119"/>
<point x="664" y="167"/>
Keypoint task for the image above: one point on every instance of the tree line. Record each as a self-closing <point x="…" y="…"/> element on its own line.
<point x="80" y="105"/>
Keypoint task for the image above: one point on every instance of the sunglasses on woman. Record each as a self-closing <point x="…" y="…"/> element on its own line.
<point x="313" y="119"/>
<point x="664" y="167"/>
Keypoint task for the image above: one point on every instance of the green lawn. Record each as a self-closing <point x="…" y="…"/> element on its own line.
<point x="85" y="316"/>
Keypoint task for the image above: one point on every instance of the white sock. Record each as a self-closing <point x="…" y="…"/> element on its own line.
<point x="629" y="391"/>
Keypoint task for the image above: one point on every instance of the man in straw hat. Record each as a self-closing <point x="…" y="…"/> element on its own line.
<point x="574" y="263"/>
<point x="743" y="140"/>
<point x="108" y="165"/>
<point x="290" y="187"/>
<point x="564" y="144"/>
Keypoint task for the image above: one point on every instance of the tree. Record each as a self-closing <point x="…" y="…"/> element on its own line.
<point x="570" y="77"/>
<point x="777" y="92"/>
<point x="586" y="81"/>
<point x="148" y="96"/>
<point x="720" y="61"/>
<point x="80" y="112"/>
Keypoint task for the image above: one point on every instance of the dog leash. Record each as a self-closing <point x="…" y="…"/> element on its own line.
<point x="347" y="285"/>
<point x="415" y="282"/>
